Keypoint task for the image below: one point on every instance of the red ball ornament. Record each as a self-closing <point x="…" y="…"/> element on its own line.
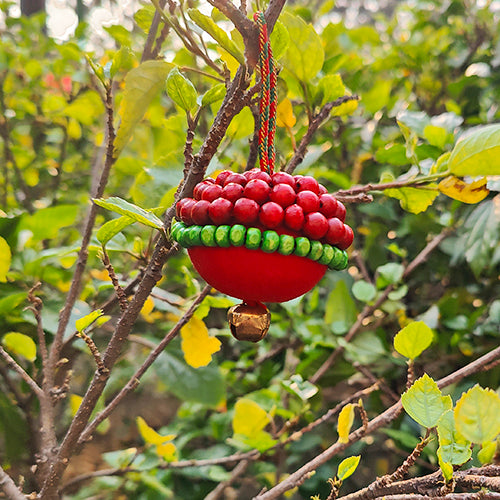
<point x="262" y="236"/>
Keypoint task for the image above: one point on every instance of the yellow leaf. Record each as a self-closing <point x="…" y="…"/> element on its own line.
<point x="149" y="435"/>
<point x="346" y="418"/>
<point x="249" y="418"/>
<point x="101" y="275"/>
<point x="147" y="309"/>
<point x="467" y="193"/>
<point x="167" y="451"/>
<point x="197" y="345"/>
<point x="5" y="259"/>
<point x="74" y="403"/>
<point x="284" y="114"/>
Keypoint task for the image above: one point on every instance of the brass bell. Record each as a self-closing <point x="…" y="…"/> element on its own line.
<point x="249" y="322"/>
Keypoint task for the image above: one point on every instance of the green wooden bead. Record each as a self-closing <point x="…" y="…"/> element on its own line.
<point x="222" y="236"/>
<point x="287" y="244"/>
<point x="193" y="235"/>
<point x="183" y="237"/>
<point x="316" y="250"/>
<point x="337" y="259"/>
<point x="253" y="238"/>
<point x="270" y="241"/>
<point x="344" y="262"/>
<point x="237" y="235"/>
<point x="176" y="228"/>
<point x="302" y="246"/>
<point x="208" y="236"/>
<point x="327" y="255"/>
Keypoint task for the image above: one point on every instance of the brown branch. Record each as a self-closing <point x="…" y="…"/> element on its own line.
<point x="120" y="294"/>
<point x="216" y="493"/>
<point x="481" y="495"/>
<point x="134" y="380"/>
<point x="9" y="487"/>
<point x="381" y="420"/>
<point x="369" y="309"/>
<point x="148" y="52"/>
<point x="94" y="351"/>
<point x="81" y="263"/>
<point x="314" y="124"/>
<point x="12" y="363"/>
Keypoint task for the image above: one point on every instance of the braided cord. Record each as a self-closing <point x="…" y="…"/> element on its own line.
<point x="268" y="98"/>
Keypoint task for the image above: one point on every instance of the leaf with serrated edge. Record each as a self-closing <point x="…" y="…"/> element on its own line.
<point x="123" y="207"/>
<point x="477" y="414"/>
<point x="413" y="339"/>
<point x="424" y="402"/>
<point x="477" y="153"/>
<point x="453" y="447"/>
<point x="347" y="467"/>
<point x="142" y="85"/>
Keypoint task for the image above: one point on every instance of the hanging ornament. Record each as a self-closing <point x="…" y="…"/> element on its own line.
<point x="262" y="236"/>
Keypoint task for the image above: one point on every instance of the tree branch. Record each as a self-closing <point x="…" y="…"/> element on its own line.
<point x="314" y="124"/>
<point x="134" y="380"/>
<point x="9" y="487"/>
<point x="369" y="309"/>
<point x="381" y="420"/>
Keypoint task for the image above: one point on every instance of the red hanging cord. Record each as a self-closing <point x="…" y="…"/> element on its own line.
<point x="268" y="98"/>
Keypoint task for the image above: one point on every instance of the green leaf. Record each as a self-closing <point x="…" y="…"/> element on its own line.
<point x="83" y="323"/>
<point x="424" y="402"/>
<point x="111" y="228"/>
<point x="300" y="387"/>
<point x="364" y="291"/>
<point x="483" y="227"/>
<point x="10" y="302"/>
<point x="85" y="108"/>
<point x="436" y="135"/>
<point x="136" y="213"/>
<point x="214" y="94"/>
<point x="389" y="274"/>
<point x="347" y="467"/>
<point x="279" y="40"/>
<point x="446" y="469"/>
<point x="340" y="309"/>
<point x="203" y="385"/>
<point x="47" y="222"/>
<point x="20" y="345"/>
<point x="142" y="85"/>
<point x="218" y="34"/>
<point x="477" y="152"/>
<point x="477" y="415"/>
<point x="487" y="452"/>
<point x="329" y="88"/>
<point x="305" y="54"/>
<point x="413" y="339"/>
<point x="5" y="259"/>
<point x="453" y="447"/>
<point x="414" y="200"/>
<point x="181" y="90"/>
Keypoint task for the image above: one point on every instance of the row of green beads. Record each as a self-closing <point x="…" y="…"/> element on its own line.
<point x="253" y="238"/>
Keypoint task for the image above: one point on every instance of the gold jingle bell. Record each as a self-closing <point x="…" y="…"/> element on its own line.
<point x="249" y="322"/>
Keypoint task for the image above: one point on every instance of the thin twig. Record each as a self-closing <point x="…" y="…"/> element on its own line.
<point x="314" y="124"/>
<point x="216" y="493"/>
<point x="12" y="363"/>
<point x="134" y="380"/>
<point x="122" y="298"/>
<point x="147" y="53"/>
<point x="9" y="487"/>
<point x="381" y="420"/>
<point x="94" y="351"/>
<point x="369" y="309"/>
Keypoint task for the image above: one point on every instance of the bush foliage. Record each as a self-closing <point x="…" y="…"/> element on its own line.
<point x="388" y="369"/>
